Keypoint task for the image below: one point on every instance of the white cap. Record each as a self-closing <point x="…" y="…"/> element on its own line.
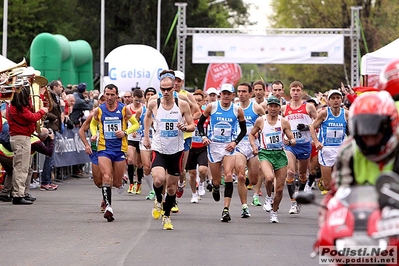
<point x="212" y="90"/>
<point x="179" y="74"/>
<point x="331" y="92"/>
<point x="101" y="95"/>
<point x="227" y="87"/>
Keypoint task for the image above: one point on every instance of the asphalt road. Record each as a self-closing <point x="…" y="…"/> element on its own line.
<point x="65" y="227"/>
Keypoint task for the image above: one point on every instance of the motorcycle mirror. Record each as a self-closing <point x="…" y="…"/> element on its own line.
<point x="387" y="186"/>
<point x="305" y="197"/>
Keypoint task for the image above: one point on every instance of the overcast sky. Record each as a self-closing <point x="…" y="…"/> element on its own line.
<point x="259" y="14"/>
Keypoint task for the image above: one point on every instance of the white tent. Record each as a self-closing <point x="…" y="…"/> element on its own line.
<point x="372" y="63"/>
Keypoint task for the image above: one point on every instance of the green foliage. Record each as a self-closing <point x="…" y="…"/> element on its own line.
<point x="126" y="22"/>
<point x="378" y="20"/>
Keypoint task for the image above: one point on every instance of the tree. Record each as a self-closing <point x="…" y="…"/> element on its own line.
<point x="375" y="16"/>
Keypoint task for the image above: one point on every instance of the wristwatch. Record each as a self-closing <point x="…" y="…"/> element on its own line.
<point x="203" y="137"/>
<point x="125" y="133"/>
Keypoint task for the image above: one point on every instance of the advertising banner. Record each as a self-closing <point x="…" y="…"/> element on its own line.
<point x="69" y="149"/>
<point x="218" y="74"/>
<point x="134" y="65"/>
<point x="268" y="49"/>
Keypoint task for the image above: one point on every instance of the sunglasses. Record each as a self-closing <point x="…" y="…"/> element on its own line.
<point x="166" y="89"/>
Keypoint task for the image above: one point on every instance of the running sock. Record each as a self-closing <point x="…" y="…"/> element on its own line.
<point x="169" y="202"/>
<point x="130" y="172"/>
<point x="140" y="174"/>
<point x="301" y="186"/>
<point x="311" y="179"/>
<point x="228" y="189"/>
<point x="291" y="190"/>
<point x="158" y="193"/>
<point x="150" y="182"/>
<point x="106" y="191"/>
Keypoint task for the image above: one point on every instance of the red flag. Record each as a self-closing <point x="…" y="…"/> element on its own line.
<point x="218" y="74"/>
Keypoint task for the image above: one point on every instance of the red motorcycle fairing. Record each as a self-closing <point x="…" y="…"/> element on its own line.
<point x="349" y="210"/>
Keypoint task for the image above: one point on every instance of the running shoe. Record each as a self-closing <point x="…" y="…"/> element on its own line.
<point x="245" y="212"/>
<point x="167" y="223"/>
<point x="120" y="189"/>
<point x="216" y="194"/>
<point x="157" y="210"/>
<point x="109" y="214"/>
<point x="201" y="189"/>
<point x="134" y="189"/>
<point x="45" y="187"/>
<point x="209" y="185"/>
<point x="307" y="189"/>
<point x="175" y="208"/>
<point x="138" y="189"/>
<point x="151" y="195"/>
<point x="125" y="179"/>
<point x="194" y="198"/>
<point x="103" y="206"/>
<point x="130" y="189"/>
<point x="273" y="217"/>
<point x="295" y="208"/>
<point x="222" y="182"/>
<point x="250" y="187"/>
<point x="255" y="201"/>
<point x="267" y="206"/>
<point x="180" y="190"/>
<point x="225" y="216"/>
<point x="324" y="192"/>
<point x="53" y="186"/>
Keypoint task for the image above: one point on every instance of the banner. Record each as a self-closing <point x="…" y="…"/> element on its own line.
<point x="134" y="65"/>
<point x="69" y="149"/>
<point x="218" y="74"/>
<point x="268" y="49"/>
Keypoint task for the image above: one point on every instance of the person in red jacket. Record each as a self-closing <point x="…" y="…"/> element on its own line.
<point x="22" y="123"/>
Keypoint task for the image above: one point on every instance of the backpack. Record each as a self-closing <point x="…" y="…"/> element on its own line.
<point x="5" y="136"/>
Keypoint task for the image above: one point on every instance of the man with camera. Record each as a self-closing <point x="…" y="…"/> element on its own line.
<point x="42" y="143"/>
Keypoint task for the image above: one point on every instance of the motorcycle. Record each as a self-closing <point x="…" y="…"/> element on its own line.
<point x="350" y="224"/>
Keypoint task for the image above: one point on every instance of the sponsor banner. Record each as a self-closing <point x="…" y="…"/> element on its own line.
<point x="69" y="149"/>
<point x="358" y="255"/>
<point x="218" y="74"/>
<point x="268" y="49"/>
<point x="134" y="65"/>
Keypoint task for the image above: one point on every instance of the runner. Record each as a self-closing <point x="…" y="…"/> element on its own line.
<point x="111" y="118"/>
<point x="222" y="141"/>
<point x="168" y="113"/>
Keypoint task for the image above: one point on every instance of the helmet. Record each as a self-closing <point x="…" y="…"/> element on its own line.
<point x="372" y="114"/>
<point x="389" y="78"/>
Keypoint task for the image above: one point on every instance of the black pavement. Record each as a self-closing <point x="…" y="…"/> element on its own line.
<point x="66" y="227"/>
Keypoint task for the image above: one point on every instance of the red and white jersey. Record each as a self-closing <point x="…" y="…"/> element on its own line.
<point x="299" y="116"/>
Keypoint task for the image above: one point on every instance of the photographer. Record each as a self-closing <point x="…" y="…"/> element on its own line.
<point x="82" y="103"/>
<point x="43" y="143"/>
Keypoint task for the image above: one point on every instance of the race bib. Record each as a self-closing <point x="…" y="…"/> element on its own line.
<point x="334" y="136"/>
<point x="110" y="127"/>
<point x="168" y="128"/>
<point x="222" y="133"/>
<point x="274" y="141"/>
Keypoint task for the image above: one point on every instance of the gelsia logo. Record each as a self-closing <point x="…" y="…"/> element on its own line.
<point x="116" y="73"/>
<point x="370" y="254"/>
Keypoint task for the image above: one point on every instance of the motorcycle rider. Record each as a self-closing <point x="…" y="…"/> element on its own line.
<point x="372" y="145"/>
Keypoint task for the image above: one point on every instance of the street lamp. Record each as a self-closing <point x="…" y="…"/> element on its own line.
<point x="159" y="26"/>
<point x="5" y="32"/>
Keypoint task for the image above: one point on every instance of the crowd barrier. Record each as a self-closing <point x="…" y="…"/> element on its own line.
<point x="69" y="149"/>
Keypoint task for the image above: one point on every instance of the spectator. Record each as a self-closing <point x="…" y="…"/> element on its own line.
<point x="82" y="103"/>
<point x="54" y="117"/>
<point x="22" y="124"/>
